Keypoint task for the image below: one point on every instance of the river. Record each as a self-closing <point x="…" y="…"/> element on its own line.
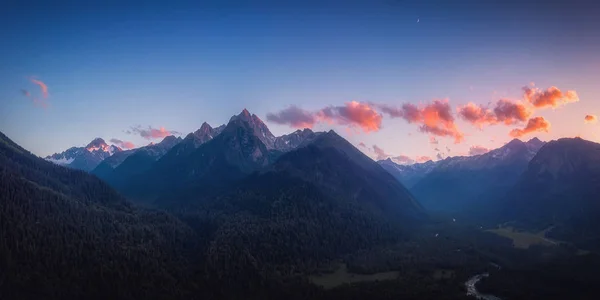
<point x="472" y="289"/>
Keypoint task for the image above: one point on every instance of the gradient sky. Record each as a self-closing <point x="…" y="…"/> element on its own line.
<point x="109" y="66"/>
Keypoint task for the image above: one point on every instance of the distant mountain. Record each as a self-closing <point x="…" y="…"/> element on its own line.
<point x="293" y="140"/>
<point x="408" y="175"/>
<point x="135" y="161"/>
<point x="67" y="235"/>
<point x="560" y="188"/>
<point x="458" y="182"/>
<point x="85" y="158"/>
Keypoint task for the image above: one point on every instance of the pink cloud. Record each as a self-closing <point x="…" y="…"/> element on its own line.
<point x="510" y="112"/>
<point x="537" y="124"/>
<point x="505" y="111"/>
<point x="122" y="144"/>
<point x="380" y="154"/>
<point x="478" y="150"/>
<point x="403" y="160"/>
<point x="153" y="133"/>
<point x="352" y="114"/>
<point x="422" y="159"/>
<point x="433" y="140"/>
<point x="361" y="144"/>
<point x="42" y="86"/>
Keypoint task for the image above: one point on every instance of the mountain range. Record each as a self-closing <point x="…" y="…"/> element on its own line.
<point x="85" y="158"/>
<point x="456" y="183"/>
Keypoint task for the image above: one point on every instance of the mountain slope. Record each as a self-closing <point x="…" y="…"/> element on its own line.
<point x="560" y="188"/>
<point x="457" y="183"/>
<point x="335" y="166"/>
<point x="56" y="223"/>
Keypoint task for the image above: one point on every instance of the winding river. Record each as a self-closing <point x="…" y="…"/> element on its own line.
<point x="472" y="289"/>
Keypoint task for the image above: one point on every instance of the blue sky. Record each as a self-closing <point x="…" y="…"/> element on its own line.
<point x="173" y="64"/>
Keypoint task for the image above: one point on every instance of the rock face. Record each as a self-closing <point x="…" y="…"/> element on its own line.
<point x="291" y="141"/>
<point x="458" y="182"/>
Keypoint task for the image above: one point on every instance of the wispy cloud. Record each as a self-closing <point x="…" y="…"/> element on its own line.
<point x="153" y="133"/>
<point x="42" y="85"/>
<point x="422" y="159"/>
<point x="380" y="153"/>
<point x="294" y="117"/>
<point x="122" y="144"/>
<point x="478" y="150"/>
<point x="537" y="124"/>
<point x="591" y="119"/>
<point x="25" y="93"/>
<point x="403" y="160"/>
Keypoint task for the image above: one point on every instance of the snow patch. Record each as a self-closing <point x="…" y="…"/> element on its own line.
<point x="61" y="161"/>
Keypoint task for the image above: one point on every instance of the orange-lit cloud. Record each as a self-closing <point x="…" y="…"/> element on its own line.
<point x="122" y="144"/>
<point x="422" y="159"/>
<point x="352" y="114"/>
<point x="42" y="86"/>
<point x="478" y="150"/>
<point x="403" y="160"/>
<point x="505" y="111"/>
<point x="591" y="119"/>
<point x="294" y="117"/>
<point x="551" y="97"/>
<point x="435" y="118"/>
<point x="380" y="154"/>
<point x="477" y="115"/>
<point x="511" y="112"/>
<point x="153" y="133"/>
<point x="537" y="124"/>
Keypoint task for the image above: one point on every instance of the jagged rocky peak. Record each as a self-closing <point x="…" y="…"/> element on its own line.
<point x="205" y="128"/>
<point x="97" y="144"/>
<point x="257" y="125"/>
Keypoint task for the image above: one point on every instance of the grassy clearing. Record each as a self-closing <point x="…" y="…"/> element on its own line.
<point x="341" y="276"/>
<point x="524" y="239"/>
